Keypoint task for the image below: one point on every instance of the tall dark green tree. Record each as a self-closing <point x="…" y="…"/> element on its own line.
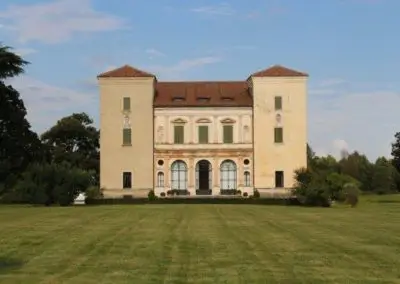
<point x="396" y="157"/>
<point x="19" y="145"/>
<point x="75" y="140"/>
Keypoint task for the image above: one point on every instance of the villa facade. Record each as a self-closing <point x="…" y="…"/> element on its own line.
<point x="201" y="137"/>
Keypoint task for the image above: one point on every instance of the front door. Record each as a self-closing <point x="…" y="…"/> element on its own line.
<point x="203" y="177"/>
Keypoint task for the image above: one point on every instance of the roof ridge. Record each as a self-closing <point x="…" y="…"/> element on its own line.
<point x="125" y="71"/>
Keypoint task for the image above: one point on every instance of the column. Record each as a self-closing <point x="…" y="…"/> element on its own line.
<point x="216" y="129"/>
<point x="167" y="173"/>
<point x="240" y="171"/>
<point x="215" y="168"/>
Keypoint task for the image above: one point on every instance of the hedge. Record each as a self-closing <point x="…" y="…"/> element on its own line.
<point x="182" y="200"/>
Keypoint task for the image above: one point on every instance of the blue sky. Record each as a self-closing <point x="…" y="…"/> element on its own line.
<point x="350" y="48"/>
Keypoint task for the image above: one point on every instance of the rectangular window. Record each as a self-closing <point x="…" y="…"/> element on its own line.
<point x="278" y="135"/>
<point x="278" y="103"/>
<point x="246" y="179"/>
<point x="203" y="134"/>
<point x="179" y="134"/>
<point x="127" y="136"/>
<point x="127" y="180"/>
<point x="160" y="179"/>
<point x="228" y="133"/>
<point x="127" y="104"/>
<point x="279" y="179"/>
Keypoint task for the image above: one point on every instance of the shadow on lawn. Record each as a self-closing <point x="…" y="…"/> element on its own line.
<point x="8" y="264"/>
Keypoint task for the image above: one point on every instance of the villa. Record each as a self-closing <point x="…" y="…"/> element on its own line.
<point x="201" y="138"/>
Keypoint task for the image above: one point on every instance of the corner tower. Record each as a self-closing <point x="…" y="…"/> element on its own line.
<point x="280" y="126"/>
<point x="126" y="130"/>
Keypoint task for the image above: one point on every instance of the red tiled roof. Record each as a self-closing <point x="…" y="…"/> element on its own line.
<point x="197" y="94"/>
<point x="124" y="72"/>
<point x="279" y="71"/>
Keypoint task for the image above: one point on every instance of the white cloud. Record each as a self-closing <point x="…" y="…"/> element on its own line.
<point x="46" y="103"/>
<point x="152" y="52"/>
<point x="365" y="121"/>
<point x="175" y="71"/>
<point x="56" y="21"/>
<point x="222" y="9"/>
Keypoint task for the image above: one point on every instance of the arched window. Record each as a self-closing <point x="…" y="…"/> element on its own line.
<point x="179" y="175"/>
<point x="228" y="175"/>
<point x="246" y="178"/>
<point x="160" y="179"/>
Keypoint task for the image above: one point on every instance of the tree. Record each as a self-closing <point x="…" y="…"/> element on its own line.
<point x="384" y="176"/>
<point x="359" y="167"/>
<point x="396" y="157"/>
<point x="75" y="140"/>
<point x="19" y="146"/>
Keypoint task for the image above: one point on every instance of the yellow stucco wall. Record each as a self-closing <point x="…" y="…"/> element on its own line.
<point x="292" y="153"/>
<point x="253" y="134"/>
<point x="115" y="158"/>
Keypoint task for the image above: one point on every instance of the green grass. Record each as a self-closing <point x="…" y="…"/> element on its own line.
<point x="201" y="244"/>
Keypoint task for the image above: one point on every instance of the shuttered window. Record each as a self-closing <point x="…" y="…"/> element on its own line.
<point x="279" y="179"/>
<point x="278" y="135"/>
<point x="127" y="136"/>
<point x="228" y="133"/>
<point x="178" y="134"/>
<point x="278" y="103"/>
<point x="126" y="180"/>
<point x="127" y="104"/>
<point x="203" y="134"/>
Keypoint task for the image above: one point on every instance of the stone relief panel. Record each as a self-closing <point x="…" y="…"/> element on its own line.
<point x="160" y="134"/>
<point x="127" y="121"/>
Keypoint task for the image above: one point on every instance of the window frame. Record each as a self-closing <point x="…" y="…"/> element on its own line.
<point x="160" y="179"/>
<point x="125" y="132"/>
<point x="227" y="126"/>
<point x="204" y="141"/>
<point x="247" y="178"/>
<point x="126" y="102"/>
<point x="278" y="103"/>
<point x="129" y="176"/>
<point x="279" y="179"/>
<point x="181" y="126"/>
<point x="278" y="134"/>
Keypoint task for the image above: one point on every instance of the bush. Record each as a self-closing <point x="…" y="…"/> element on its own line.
<point x="94" y="192"/>
<point x="336" y="183"/>
<point x="314" y="194"/>
<point x="162" y="194"/>
<point x="256" y="194"/>
<point x="51" y="184"/>
<point x="239" y="192"/>
<point x="151" y="195"/>
<point x="352" y="193"/>
<point x="245" y="194"/>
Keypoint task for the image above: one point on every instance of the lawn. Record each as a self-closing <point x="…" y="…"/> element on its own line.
<point x="201" y="244"/>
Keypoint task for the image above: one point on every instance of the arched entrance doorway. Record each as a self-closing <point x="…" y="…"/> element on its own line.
<point x="228" y="171"/>
<point x="179" y="175"/>
<point x="203" y="177"/>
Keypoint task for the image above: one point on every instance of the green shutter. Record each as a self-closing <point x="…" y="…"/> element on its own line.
<point x="127" y="103"/>
<point x="278" y="103"/>
<point x="228" y="133"/>
<point x="278" y="135"/>
<point x="178" y="134"/>
<point x="127" y="136"/>
<point x="203" y="134"/>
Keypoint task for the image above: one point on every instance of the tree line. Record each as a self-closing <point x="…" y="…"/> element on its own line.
<point x="52" y="168"/>
<point x="48" y="169"/>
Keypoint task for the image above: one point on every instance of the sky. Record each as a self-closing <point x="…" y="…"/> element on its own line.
<point x="350" y="49"/>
